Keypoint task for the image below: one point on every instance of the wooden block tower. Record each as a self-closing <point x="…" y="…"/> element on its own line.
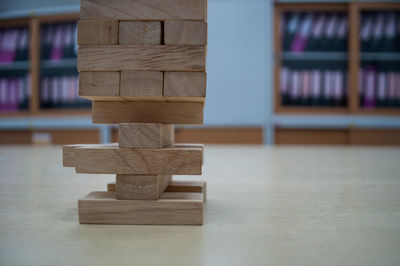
<point x="142" y="63"/>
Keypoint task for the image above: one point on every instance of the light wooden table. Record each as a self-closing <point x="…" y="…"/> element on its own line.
<point x="265" y="206"/>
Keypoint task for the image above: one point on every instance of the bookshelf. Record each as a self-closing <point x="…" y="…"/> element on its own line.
<point x="37" y="66"/>
<point x="351" y="60"/>
<point x="60" y="124"/>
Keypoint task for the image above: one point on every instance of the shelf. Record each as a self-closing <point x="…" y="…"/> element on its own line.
<point x="380" y="111"/>
<point x="312" y="110"/>
<point x="17" y="113"/>
<point x="380" y="56"/>
<point x="18" y="65"/>
<point x="336" y="121"/>
<point x="65" y="112"/>
<point x="48" y="113"/>
<point x="317" y="56"/>
<point x="63" y="63"/>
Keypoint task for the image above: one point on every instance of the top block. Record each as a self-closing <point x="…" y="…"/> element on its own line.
<point x="143" y="9"/>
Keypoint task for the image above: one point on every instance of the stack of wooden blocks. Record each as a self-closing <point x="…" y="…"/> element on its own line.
<point x="142" y="63"/>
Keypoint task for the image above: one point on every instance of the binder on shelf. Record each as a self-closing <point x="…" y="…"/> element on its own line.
<point x="284" y="83"/>
<point x="14" y="94"/>
<point x="381" y="94"/>
<point x="22" y="46"/>
<point x="379" y="32"/>
<point x="61" y="91"/>
<point x="316" y="32"/>
<point x="341" y="34"/>
<point x="56" y="53"/>
<point x="396" y="79"/>
<point x="300" y="40"/>
<point x="316" y="88"/>
<point x="68" y="45"/>
<point x="47" y="36"/>
<point x="329" y="38"/>
<point x="313" y="87"/>
<point x="369" y="94"/>
<point x="290" y="31"/>
<point x="310" y="31"/>
<point x="58" y="41"/>
<point x="389" y="43"/>
<point x="392" y="89"/>
<point x="8" y="46"/>
<point x="295" y="88"/>
<point x="365" y="33"/>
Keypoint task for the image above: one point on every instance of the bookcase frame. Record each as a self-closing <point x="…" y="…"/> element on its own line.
<point x="34" y="24"/>
<point x="353" y="11"/>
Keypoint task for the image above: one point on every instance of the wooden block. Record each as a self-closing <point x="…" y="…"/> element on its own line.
<point x="106" y="159"/>
<point x="179" y="186"/>
<point x="147" y="112"/>
<point x="69" y="155"/>
<point x="69" y="152"/>
<point x="140" y="32"/>
<point x="141" y="83"/>
<point x="141" y="187"/>
<point x="143" y="9"/>
<point x="69" y="159"/>
<point x="185" y="84"/>
<point x="145" y="135"/>
<point x="171" y="209"/>
<point x="95" y="84"/>
<point x="97" y="32"/>
<point x="144" y="99"/>
<point x="185" y="32"/>
<point x="188" y="186"/>
<point x="141" y="57"/>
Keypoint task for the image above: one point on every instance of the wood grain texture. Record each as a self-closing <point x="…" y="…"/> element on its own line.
<point x="69" y="155"/>
<point x="179" y="186"/>
<point x="144" y="99"/>
<point x="68" y="152"/>
<point x="99" y="84"/>
<point x="185" y="32"/>
<point x="148" y="112"/>
<point x="141" y="187"/>
<point x="141" y="57"/>
<point x="143" y="9"/>
<point x="110" y="159"/>
<point x="97" y="32"/>
<point x="171" y="209"/>
<point x="185" y="84"/>
<point x="141" y="83"/>
<point x="139" y="32"/>
<point x="145" y="135"/>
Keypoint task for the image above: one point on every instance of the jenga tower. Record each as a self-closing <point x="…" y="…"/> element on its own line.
<point x="142" y="63"/>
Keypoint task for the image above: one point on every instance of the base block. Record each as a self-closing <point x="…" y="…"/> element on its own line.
<point x="173" y="208"/>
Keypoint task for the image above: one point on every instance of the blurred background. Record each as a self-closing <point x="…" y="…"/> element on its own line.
<point x="279" y="72"/>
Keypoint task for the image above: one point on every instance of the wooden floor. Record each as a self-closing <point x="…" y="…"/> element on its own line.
<point x="265" y="206"/>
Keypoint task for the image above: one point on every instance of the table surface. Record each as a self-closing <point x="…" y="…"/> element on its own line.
<point x="265" y="206"/>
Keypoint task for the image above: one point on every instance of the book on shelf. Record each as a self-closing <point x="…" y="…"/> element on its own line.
<point x="310" y="31"/>
<point x="380" y="31"/>
<point x="313" y="87"/>
<point x="14" y="45"/>
<point x="379" y="88"/>
<point x="61" y="92"/>
<point x="59" y="41"/>
<point x="14" y="93"/>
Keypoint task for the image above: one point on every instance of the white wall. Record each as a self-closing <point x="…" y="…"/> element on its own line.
<point x="239" y="62"/>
